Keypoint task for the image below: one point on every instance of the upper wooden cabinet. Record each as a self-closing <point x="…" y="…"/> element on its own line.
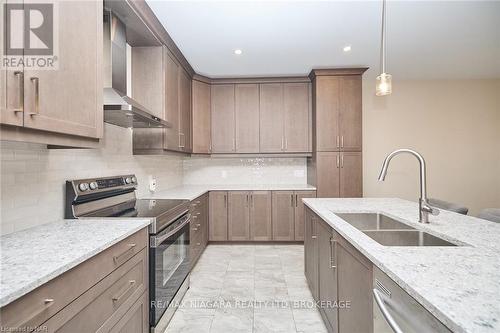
<point x="185" y="112"/>
<point x="271" y="118"/>
<point x="247" y="118"/>
<point x="223" y="119"/>
<point x="201" y="118"/>
<point x="337" y="111"/>
<point x="66" y="100"/>
<point x="284" y="117"/>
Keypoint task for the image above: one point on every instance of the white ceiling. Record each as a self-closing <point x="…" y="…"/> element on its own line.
<point x="426" y="39"/>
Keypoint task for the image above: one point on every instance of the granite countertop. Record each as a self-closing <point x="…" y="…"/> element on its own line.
<point x="32" y="257"/>
<point x="460" y="285"/>
<point x="191" y="192"/>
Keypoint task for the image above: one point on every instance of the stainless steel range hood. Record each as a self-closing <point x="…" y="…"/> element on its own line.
<point x="120" y="109"/>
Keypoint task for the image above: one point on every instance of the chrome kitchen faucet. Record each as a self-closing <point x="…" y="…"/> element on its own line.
<point x="424" y="207"/>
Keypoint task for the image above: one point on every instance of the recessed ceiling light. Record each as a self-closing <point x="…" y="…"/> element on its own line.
<point x="238" y="51"/>
<point x="347" y="48"/>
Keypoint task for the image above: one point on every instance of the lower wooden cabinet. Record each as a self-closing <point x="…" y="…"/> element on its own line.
<point x="288" y="214"/>
<point x="199" y="227"/>
<point x="257" y="215"/>
<point x="217" y="216"/>
<point x="311" y="252"/>
<point x="338" y="274"/>
<point x="102" y="294"/>
<point x="283" y="215"/>
<point x="260" y="216"/>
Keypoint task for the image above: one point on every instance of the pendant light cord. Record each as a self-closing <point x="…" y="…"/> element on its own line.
<point x="383" y="42"/>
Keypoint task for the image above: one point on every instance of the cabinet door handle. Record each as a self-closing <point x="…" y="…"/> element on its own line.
<point x="125" y="293"/>
<point x="247" y="200"/>
<point x="338" y="161"/>
<point x="124" y="254"/>
<point x="291" y="200"/>
<point x="342" y="161"/>
<point x="225" y="200"/>
<point x="286" y="144"/>
<point x="296" y="199"/>
<point x="48" y="302"/>
<point x="36" y="81"/>
<point x="282" y="143"/>
<point x="314" y="237"/>
<point x="342" y="141"/>
<point x="338" y="139"/>
<point x="251" y="199"/>
<point x="20" y="77"/>
<point x="332" y="255"/>
<point x="195" y="229"/>
<point x="182" y="140"/>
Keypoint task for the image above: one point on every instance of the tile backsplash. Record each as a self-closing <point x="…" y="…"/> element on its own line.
<point x="32" y="177"/>
<point x="219" y="170"/>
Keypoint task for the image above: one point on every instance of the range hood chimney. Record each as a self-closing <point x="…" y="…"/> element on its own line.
<point x="119" y="109"/>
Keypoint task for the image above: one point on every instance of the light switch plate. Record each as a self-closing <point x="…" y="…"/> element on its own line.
<point x="152" y="183"/>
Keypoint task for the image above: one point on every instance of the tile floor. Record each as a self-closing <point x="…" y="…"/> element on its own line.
<point x="248" y="288"/>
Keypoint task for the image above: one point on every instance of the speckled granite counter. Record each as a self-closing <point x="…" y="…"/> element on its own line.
<point x="191" y="192"/>
<point x="459" y="285"/>
<point x="31" y="257"/>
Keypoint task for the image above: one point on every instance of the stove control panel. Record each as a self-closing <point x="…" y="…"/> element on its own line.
<point x="103" y="184"/>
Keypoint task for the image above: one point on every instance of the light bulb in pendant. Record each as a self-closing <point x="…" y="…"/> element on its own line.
<point x="384" y="84"/>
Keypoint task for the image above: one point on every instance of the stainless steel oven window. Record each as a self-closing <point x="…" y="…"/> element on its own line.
<point x="173" y="257"/>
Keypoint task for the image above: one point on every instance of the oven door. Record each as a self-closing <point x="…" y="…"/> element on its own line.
<point x="168" y="265"/>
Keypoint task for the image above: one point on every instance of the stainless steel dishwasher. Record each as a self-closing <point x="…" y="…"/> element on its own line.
<point x="394" y="311"/>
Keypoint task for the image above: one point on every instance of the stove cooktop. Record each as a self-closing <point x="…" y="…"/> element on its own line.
<point x="148" y="208"/>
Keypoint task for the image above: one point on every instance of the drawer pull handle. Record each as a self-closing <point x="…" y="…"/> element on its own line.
<point x="125" y="254"/>
<point x="126" y="292"/>
<point x="195" y="229"/>
<point x="47" y="303"/>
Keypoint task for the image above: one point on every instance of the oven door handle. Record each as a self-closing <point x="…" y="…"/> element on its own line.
<point x="385" y="312"/>
<point x="157" y="240"/>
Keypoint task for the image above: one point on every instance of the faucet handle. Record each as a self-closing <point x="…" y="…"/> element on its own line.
<point x="435" y="211"/>
<point x="429" y="209"/>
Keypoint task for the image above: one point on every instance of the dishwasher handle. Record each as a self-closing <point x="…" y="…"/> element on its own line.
<point x="385" y="312"/>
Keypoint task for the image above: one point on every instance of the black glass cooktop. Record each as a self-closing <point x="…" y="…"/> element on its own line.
<point x="148" y="208"/>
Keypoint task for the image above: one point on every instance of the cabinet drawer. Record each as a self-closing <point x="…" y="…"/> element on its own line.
<point x="45" y="301"/>
<point x="136" y="320"/>
<point x="107" y="301"/>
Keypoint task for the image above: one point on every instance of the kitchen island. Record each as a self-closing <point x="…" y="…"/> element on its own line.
<point x="459" y="285"/>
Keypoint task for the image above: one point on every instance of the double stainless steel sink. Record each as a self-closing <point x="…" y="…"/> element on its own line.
<point x="390" y="232"/>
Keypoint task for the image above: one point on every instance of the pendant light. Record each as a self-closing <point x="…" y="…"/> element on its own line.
<point x="384" y="80"/>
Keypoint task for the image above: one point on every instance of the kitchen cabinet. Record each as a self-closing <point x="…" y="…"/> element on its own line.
<point x="247" y="118"/>
<point x="218" y="216"/>
<point x="284" y="117"/>
<point x="338" y="273"/>
<point x="67" y="100"/>
<point x="199" y="228"/>
<point x="288" y="214"/>
<point x="337" y="111"/>
<point x="283" y="215"/>
<point x="172" y="69"/>
<point x="261" y="216"/>
<point x="327" y="274"/>
<point x="185" y="142"/>
<point x="238" y="216"/>
<point x="223" y="118"/>
<point x="337" y="174"/>
<point x="249" y="215"/>
<point x="95" y="295"/>
<point x="311" y="252"/>
<point x="271" y="118"/>
<point x="354" y="280"/>
<point x="299" y="216"/>
<point x="296" y="122"/>
<point x="177" y="105"/>
<point x="201" y="118"/>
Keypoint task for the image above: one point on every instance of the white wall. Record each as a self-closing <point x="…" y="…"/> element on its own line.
<point x="455" y="125"/>
<point x="32" y="178"/>
<point x="217" y="170"/>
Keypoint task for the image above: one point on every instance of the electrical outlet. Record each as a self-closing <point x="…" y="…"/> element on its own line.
<point x="152" y="183"/>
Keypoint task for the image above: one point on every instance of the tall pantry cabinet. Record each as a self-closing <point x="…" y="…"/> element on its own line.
<point x="335" y="167"/>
